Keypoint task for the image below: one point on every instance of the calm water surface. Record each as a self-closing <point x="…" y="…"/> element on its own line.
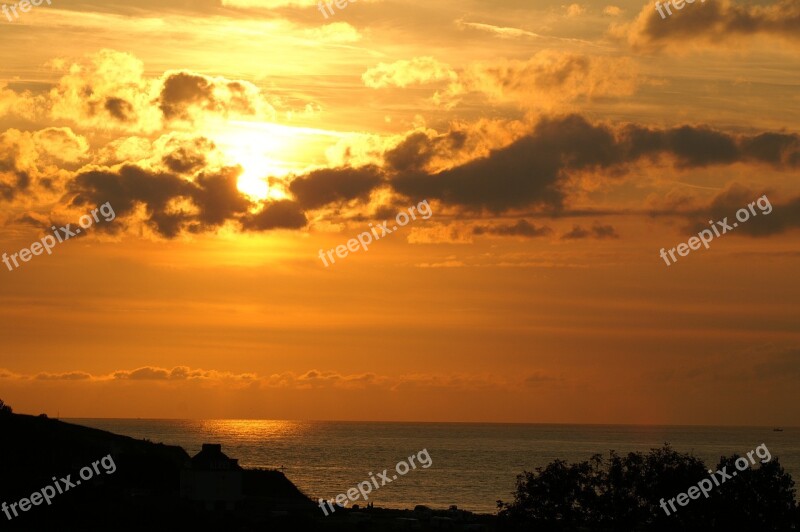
<point x="473" y="464"/>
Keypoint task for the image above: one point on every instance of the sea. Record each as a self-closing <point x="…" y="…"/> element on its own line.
<point x="472" y="465"/>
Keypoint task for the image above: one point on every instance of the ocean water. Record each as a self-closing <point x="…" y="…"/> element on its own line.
<point x="473" y="464"/>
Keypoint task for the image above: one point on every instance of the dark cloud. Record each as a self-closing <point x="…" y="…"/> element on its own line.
<point x="120" y="109"/>
<point x="526" y="173"/>
<point x="531" y="172"/>
<point x="214" y="196"/>
<point x="13" y="182"/>
<point x="596" y="231"/>
<point x="218" y="197"/>
<point x="417" y="150"/>
<point x="779" y="149"/>
<point x="335" y="185"/>
<point x="190" y="156"/>
<point x="131" y="187"/>
<point x="521" y="228"/>
<point x="716" y="22"/>
<point x="604" y="231"/>
<point x="770" y="218"/>
<point x="183" y="91"/>
<point x="173" y="205"/>
<point x="691" y="146"/>
<point x="278" y="215"/>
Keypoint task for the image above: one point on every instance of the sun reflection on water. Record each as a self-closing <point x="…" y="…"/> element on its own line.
<point x="254" y="429"/>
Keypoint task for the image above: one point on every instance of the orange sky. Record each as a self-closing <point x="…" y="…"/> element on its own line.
<point x="560" y="147"/>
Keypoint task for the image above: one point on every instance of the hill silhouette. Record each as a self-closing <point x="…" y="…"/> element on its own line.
<point x="142" y="492"/>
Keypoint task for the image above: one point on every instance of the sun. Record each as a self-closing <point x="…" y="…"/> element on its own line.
<point x="269" y="154"/>
<point x="258" y="171"/>
<point x="253" y="181"/>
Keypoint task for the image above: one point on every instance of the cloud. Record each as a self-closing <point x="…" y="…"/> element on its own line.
<point x="444" y="264"/>
<point x="173" y="205"/>
<point x="143" y="374"/>
<point x="539" y="378"/>
<point x="70" y="376"/>
<point x="184" y="95"/>
<point x="61" y="144"/>
<point x="532" y="171"/>
<point x="783" y="216"/>
<point x="282" y="214"/>
<point x="130" y="187"/>
<point x="403" y="73"/>
<point x="105" y="90"/>
<point x="187" y="157"/>
<point x="596" y="231"/>
<point x="547" y="80"/>
<point x="336" y="32"/>
<point x="440" y="234"/>
<point x="521" y="228"/>
<point x="712" y="23"/>
<point x="526" y="173"/>
<point x="109" y="90"/>
<point x="312" y="379"/>
<point x="24" y="104"/>
<point x="178" y="373"/>
<point x="575" y="10"/>
<point x="32" y="162"/>
<point x="612" y="11"/>
<point x="417" y="150"/>
<point x="500" y="31"/>
<point x="335" y="185"/>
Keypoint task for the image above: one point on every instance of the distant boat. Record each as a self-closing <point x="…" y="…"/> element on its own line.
<point x="777" y="429"/>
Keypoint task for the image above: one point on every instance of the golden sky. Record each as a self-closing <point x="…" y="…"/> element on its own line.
<point x="559" y="146"/>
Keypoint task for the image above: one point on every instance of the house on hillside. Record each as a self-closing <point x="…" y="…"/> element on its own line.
<point x="212" y="479"/>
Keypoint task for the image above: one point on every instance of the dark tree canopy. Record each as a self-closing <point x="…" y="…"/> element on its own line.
<point x="622" y="493"/>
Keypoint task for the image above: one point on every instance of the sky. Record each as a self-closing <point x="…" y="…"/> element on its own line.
<point x="219" y="155"/>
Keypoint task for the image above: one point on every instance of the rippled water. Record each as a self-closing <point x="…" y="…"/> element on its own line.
<point x="473" y="464"/>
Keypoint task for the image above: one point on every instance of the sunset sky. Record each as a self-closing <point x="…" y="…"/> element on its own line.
<point x="560" y="146"/>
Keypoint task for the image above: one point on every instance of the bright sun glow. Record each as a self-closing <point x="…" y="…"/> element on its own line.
<point x="253" y="180"/>
<point x="257" y="169"/>
<point x="269" y="152"/>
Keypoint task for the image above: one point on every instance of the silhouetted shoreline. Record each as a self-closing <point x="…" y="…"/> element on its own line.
<point x="148" y="491"/>
<point x="161" y="487"/>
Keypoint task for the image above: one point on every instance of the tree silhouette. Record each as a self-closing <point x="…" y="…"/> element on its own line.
<point x="623" y="494"/>
<point x="4" y="408"/>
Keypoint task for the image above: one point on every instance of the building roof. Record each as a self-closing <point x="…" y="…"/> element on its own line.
<point x="211" y="458"/>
